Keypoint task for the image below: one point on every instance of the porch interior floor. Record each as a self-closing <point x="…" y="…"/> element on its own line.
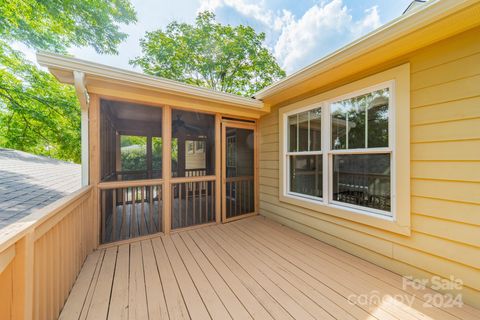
<point x="253" y="268"/>
<point x="140" y="222"/>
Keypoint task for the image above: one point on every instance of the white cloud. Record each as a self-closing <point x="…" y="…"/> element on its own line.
<point x="370" y="22"/>
<point x="295" y="41"/>
<point x="323" y="28"/>
<point x="255" y="9"/>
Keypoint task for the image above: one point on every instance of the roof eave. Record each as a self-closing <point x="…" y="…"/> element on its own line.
<point x="63" y="68"/>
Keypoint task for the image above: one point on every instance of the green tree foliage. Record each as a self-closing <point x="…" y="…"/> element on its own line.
<point x="208" y="54"/>
<point x="38" y="114"/>
<point x="55" y="25"/>
<point x="133" y="153"/>
<point x="127" y="141"/>
<point x="157" y="153"/>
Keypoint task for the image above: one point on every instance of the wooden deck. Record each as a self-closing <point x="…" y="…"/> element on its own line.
<point x="249" y="269"/>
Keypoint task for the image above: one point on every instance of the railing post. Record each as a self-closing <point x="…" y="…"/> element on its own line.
<point x="23" y="277"/>
<point x="29" y="273"/>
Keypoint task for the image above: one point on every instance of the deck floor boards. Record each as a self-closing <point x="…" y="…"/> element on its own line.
<point x="248" y="269"/>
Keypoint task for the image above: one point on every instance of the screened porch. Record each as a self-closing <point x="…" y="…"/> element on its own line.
<point x="161" y="168"/>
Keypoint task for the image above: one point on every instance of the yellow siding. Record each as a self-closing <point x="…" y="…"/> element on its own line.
<point x="445" y="175"/>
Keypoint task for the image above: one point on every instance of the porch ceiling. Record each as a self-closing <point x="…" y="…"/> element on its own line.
<point x="132" y="111"/>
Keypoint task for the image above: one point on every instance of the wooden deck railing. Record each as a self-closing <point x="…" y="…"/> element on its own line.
<point x="239" y="196"/>
<point x="42" y="254"/>
<point x="193" y="201"/>
<point x="130" y="209"/>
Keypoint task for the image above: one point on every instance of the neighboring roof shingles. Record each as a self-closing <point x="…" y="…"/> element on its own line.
<point x="29" y="182"/>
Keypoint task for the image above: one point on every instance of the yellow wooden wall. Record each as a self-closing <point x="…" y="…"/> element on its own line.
<point x="445" y="175"/>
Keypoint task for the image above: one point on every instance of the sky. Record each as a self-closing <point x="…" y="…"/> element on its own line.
<point x="298" y="32"/>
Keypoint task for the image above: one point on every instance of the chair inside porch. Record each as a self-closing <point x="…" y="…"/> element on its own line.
<point x="254" y="268"/>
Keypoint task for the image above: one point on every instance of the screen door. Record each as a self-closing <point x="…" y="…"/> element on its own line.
<point x="238" y="170"/>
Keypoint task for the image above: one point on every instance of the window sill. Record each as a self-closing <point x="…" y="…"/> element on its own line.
<point x="352" y="214"/>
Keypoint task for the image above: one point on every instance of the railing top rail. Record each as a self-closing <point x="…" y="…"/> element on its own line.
<point x="192" y="179"/>
<point x="241" y="178"/>
<point x="129" y="183"/>
<point x="12" y="233"/>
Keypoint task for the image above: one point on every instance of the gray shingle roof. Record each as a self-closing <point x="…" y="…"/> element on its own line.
<point x="29" y="182"/>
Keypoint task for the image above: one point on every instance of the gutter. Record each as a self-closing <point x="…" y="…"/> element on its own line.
<point x="69" y="64"/>
<point x="82" y="94"/>
<point x="81" y="90"/>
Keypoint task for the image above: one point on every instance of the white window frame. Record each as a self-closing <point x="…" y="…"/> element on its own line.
<point x="397" y="220"/>
<point x="390" y="149"/>
<point x="301" y="153"/>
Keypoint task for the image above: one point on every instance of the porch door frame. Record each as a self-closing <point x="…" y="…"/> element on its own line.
<point x="238" y="125"/>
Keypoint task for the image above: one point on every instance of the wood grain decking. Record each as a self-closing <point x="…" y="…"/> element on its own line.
<point x="249" y="269"/>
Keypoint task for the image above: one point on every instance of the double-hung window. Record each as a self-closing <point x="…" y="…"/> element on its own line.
<point x="339" y="151"/>
<point x="360" y="150"/>
<point x="356" y="150"/>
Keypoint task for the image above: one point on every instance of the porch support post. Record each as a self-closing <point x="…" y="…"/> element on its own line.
<point x="82" y="94"/>
<point x="94" y="160"/>
<point x="256" y="161"/>
<point x="218" y="168"/>
<point x="166" y="167"/>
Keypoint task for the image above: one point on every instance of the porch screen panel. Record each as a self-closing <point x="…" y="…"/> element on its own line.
<point x="130" y="153"/>
<point x="132" y="211"/>
<point x="193" y="168"/>
<point x="130" y="141"/>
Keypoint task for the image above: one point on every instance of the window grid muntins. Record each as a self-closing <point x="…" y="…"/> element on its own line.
<point x="304" y="156"/>
<point x="358" y="158"/>
<point x="357" y="116"/>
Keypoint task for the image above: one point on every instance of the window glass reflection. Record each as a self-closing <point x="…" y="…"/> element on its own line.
<point x="306" y="174"/>
<point x="361" y="121"/>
